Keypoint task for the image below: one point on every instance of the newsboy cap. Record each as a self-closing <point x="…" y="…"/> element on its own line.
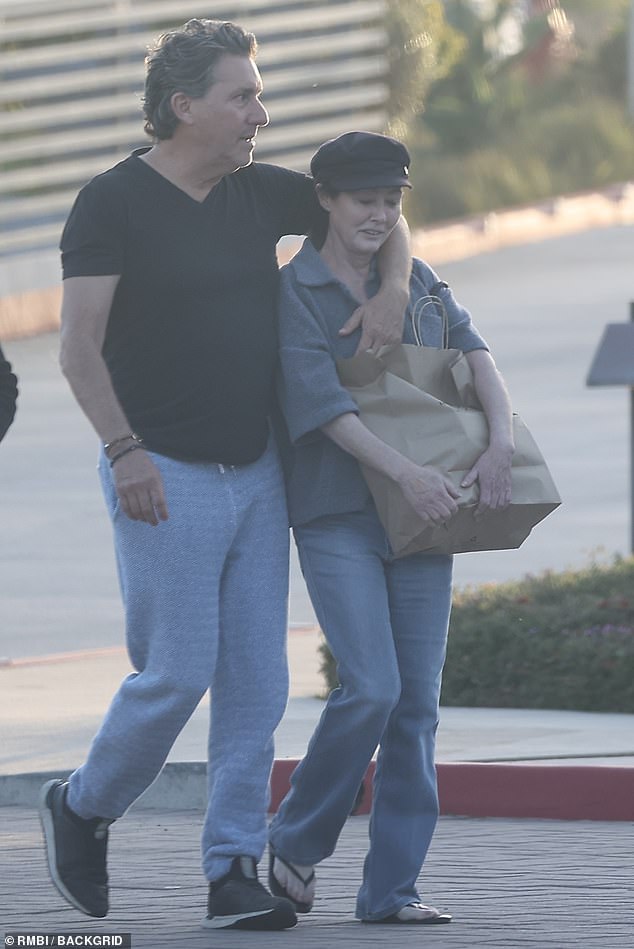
<point x="357" y="160"/>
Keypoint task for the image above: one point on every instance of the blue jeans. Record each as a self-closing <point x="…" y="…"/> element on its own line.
<point x="386" y="623"/>
<point x="206" y="599"/>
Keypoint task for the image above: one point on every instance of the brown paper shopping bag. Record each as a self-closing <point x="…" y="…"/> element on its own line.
<point x="422" y="402"/>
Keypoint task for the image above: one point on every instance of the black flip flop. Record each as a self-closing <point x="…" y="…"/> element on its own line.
<point x="276" y="887"/>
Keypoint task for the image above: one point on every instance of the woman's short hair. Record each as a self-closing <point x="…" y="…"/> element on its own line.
<point x="319" y="229"/>
<point x="184" y="60"/>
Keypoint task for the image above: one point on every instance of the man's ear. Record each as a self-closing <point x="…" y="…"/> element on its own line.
<point x="181" y="107"/>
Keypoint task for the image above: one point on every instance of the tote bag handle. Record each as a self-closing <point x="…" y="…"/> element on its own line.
<point x="418" y="312"/>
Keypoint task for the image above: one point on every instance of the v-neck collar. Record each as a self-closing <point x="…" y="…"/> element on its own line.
<point x="138" y="161"/>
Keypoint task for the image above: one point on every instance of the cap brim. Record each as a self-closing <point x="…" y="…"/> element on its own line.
<point x="361" y="182"/>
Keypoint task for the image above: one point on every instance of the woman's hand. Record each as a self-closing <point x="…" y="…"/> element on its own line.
<point x="430" y="493"/>
<point x="492" y="471"/>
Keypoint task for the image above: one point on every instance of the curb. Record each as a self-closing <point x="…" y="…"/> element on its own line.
<point x="466" y="789"/>
<point x="472" y="789"/>
<point x="556" y="792"/>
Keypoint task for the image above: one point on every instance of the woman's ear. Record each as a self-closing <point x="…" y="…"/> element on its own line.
<point x="323" y="197"/>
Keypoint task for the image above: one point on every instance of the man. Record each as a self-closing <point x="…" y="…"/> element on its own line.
<point x="169" y="344"/>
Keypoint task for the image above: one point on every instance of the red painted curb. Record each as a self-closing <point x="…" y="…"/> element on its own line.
<point x="561" y="792"/>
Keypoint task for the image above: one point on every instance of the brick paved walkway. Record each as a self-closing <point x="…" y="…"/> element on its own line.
<point x="508" y="883"/>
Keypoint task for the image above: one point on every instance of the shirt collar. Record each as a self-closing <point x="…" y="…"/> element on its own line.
<point x="312" y="271"/>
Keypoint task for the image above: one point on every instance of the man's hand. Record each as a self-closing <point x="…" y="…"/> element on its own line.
<point x="140" y="488"/>
<point x="430" y="493"/>
<point x="492" y="471"/>
<point x="380" y="319"/>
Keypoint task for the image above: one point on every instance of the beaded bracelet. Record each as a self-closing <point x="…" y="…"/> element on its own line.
<point x="125" y="451"/>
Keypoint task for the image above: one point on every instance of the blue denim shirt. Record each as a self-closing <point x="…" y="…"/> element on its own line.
<point x="321" y="478"/>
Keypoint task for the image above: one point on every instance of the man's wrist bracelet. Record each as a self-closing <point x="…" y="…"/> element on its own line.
<point x="109" y="446"/>
<point x="126" y="451"/>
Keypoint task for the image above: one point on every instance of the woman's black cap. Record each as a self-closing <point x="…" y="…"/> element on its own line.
<point x="358" y="160"/>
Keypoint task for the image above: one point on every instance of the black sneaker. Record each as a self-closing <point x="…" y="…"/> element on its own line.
<point x="76" y="851"/>
<point x="239" y="901"/>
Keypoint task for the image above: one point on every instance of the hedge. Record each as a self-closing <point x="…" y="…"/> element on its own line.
<point x="558" y="640"/>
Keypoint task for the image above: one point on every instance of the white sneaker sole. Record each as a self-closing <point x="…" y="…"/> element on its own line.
<point x="222" y="922"/>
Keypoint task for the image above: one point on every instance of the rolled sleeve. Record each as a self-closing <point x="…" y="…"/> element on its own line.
<point x="462" y="331"/>
<point x="92" y="242"/>
<point x="309" y="392"/>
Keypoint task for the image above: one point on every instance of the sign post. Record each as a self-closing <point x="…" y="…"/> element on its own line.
<point x="613" y="365"/>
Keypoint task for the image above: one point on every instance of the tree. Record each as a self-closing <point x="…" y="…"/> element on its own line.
<point x="495" y="130"/>
<point x="422" y="48"/>
<point x="465" y="106"/>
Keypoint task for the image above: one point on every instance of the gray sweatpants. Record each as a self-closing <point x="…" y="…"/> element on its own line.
<point x="206" y="597"/>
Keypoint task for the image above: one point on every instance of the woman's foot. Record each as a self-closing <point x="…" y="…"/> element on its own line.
<point x="294" y="881"/>
<point x="415" y="913"/>
<point x="420" y="913"/>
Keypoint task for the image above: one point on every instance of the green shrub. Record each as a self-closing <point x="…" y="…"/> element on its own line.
<point x="455" y="186"/>
<point x="556" y="151"/>
<point x="558" y="640"/>
<point x="583" y="147"/>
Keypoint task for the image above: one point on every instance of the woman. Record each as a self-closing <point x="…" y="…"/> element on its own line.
<point x="385" y="619"/>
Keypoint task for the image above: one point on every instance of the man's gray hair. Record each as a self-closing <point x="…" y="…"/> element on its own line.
<point x="184" y="60"/>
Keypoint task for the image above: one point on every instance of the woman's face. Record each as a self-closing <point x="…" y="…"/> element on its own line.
<point x="361" y="221"/>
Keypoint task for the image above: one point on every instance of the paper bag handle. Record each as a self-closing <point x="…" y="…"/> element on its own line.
<point x="418" y="311"/>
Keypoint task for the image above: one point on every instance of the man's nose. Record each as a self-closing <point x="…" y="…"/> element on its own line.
<point x="261" y="116"/>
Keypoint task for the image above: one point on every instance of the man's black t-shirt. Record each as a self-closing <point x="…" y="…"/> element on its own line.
<point x="191" y="341"/>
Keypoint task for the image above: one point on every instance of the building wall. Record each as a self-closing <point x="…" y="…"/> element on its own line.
<point x="71" y="80"/>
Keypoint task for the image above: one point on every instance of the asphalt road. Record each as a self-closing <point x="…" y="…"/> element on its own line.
<point x="542" y="307"/>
